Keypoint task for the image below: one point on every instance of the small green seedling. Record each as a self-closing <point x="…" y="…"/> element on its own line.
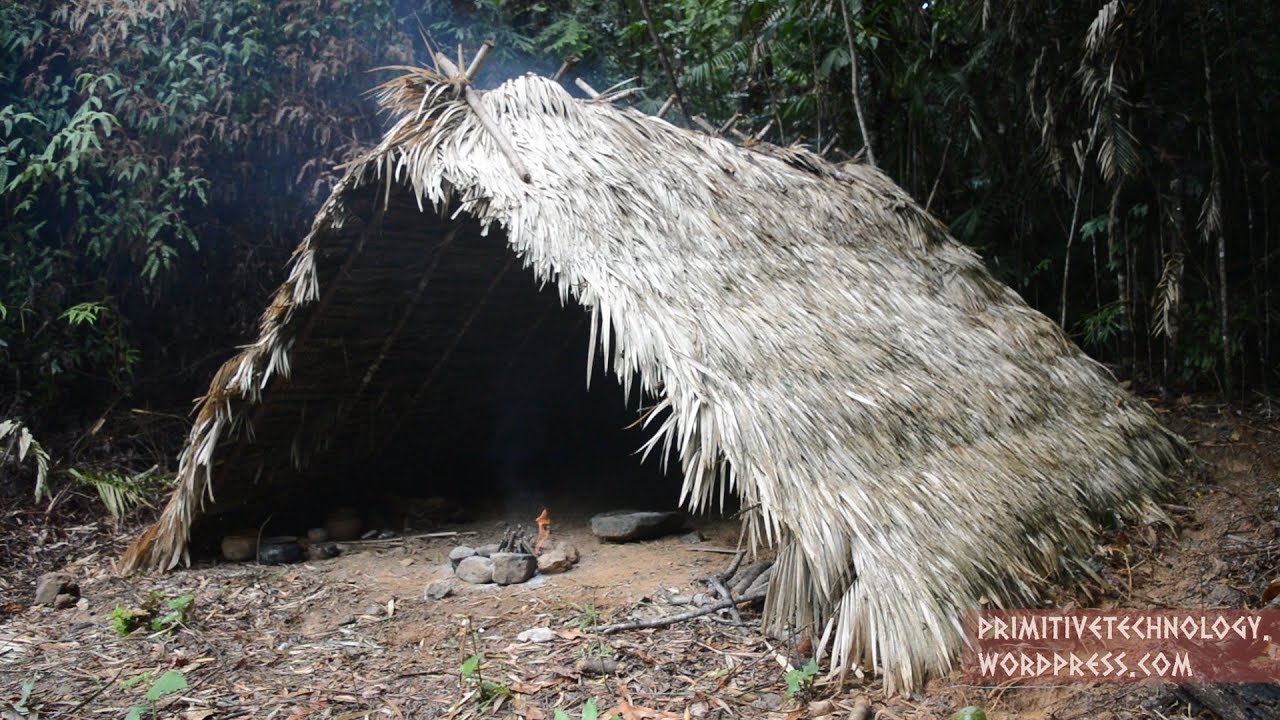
<point x="126" y="620"/>
<point x="973" y="712"/>
<point x="167" y="684"/>
<point x="177" y="614"/>
<point x="490" y="692"/>
<point x="589" y="712"/>
<point x="801" y="679"/>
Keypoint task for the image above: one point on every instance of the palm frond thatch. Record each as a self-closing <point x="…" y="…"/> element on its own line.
<point x="910" y="433"/>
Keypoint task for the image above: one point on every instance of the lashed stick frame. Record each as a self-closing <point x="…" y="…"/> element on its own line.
<point x="463" y="81"/>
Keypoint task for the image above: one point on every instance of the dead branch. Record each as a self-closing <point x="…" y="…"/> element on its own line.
<point x="679" y="617"/>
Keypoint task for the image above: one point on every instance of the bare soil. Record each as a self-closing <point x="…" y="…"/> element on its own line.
<point x="353" y="637"/>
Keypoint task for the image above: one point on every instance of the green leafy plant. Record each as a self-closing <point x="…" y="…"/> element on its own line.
<point x="19" y="438"/>
<point x="167" y="684"/>
<point x="801" y="679"/>
<point x="119" y="493"/>
<point x="972" y="712"/>
<point x="178" y="609"/>
<point x="83" y="313"/>
<point x="586" y="618"/>
<point x="589" y="712"/>
<point x="155" y="613"/>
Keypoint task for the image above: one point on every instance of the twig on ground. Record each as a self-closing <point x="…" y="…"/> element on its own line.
<point x="401" y="538"/>
<point x="679" y="617"/>
<point x="72" y="712"/>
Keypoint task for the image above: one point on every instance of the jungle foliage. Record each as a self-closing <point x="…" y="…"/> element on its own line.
<point x="1111" y="160"/>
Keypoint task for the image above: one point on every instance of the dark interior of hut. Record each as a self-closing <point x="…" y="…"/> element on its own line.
<point x="437" y="382"/>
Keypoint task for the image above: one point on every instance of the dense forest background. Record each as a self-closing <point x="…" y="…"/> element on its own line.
<point x="1111" y="160"/>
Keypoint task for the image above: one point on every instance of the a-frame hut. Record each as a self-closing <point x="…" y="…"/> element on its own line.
<point x="903" y="427"/>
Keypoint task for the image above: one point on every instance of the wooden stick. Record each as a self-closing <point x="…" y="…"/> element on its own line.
<point x="706" y="126"/>
<point x="679" y="617"/>
<point x="671" y="100"/>
<point x="478" y="60"/>
<point x="477" y="107"/>
<point x="586" y="88"/>
<point x="662" y="56"/>
<point x="567" y="65"/>
<point x="400" y="538"/>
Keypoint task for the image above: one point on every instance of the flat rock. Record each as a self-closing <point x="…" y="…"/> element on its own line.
<point x="487" y="550"/>
<point x="629" y="525"/>
<point x="52" y="584"/>
<point x="537" y="635"/>
<point x="476" y="570"/>
<point x="459" y="554"/>
<point x="512" y="568"/>
<point x="438" y="590"/>
<point x="554" y="561"/>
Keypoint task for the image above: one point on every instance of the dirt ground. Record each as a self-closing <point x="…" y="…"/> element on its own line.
<point x="353" y="637"/>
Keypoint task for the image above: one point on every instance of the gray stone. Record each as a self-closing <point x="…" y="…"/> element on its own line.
<point x="52" y="584"/>
<point x="554" y="561"/>
<point x="487" y="550"/>
<point x="460" y="553"/>
<point x="537" y="635"/>
<point x="693" y="538"/>
<point x="438" y="590"/>
<point x="1225" y="596"/>
<point x="627" y="525"/>
<point x="476" y="570"/>
<point x="568" y="549"/>
<point x="512" y="568"/>
<point x="63" y="600"/>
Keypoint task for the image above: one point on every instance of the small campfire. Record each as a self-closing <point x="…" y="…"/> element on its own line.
<point x="514" y="560"/>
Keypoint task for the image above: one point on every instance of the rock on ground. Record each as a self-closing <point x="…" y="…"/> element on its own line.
<point x="438" y="590"/>
<point x="52" y="584"/>
<point x="459" y="554"/>
<point x="554" y="561"/>
<point x="476" y="570"/>
<point x="512" y="568"/>
<point x="629" y="525"/>
<point x="537" y="635"/>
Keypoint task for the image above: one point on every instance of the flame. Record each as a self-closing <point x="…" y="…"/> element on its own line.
<point x="544" y="530"/>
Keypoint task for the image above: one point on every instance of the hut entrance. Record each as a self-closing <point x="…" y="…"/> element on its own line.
<point x="433" y="375"/>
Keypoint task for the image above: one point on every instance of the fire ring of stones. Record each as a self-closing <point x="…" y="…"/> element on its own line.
<point x="514" y="560"/>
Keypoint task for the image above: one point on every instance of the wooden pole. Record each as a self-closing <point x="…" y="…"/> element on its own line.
<point x="567" y="65"/>
<point x="473" y="99"/>
<point x="590" y="91"/>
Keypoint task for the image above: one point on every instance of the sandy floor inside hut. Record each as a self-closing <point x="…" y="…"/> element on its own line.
<point x="352" y="637"/>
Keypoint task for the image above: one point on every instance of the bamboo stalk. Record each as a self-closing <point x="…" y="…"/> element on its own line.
<point x="473" y="100"/>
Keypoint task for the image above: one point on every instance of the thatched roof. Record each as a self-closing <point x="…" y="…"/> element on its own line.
<point x="910" y="434"/>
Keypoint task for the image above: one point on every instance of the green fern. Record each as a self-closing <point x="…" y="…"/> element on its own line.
<point x="18" y="436"/>
<point x="119" y="493"/>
